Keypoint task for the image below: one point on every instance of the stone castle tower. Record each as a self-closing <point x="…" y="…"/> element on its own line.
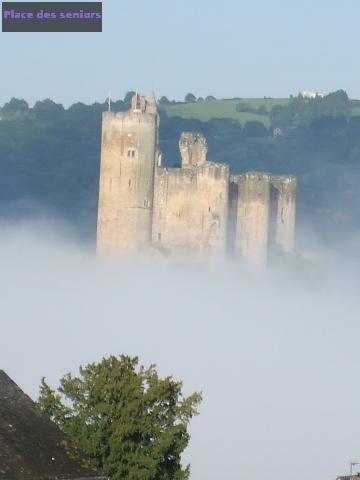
<point x="196" y="210"/>
<point x="128" y="156"/>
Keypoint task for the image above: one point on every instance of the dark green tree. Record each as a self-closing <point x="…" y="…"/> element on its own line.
<point x="164" y="101"/>
<point x="255" y="129"/>
<point x="128" y="97"/>
<point x="47" y="110"/>
<point x="126" y="418"/>
<point x="190" y="98"/>
<point x="15" y="107"/>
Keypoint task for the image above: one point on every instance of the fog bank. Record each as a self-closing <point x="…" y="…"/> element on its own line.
<point x="275" y="356"/>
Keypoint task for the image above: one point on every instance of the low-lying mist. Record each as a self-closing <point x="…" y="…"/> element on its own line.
<point x="276" y="356"/>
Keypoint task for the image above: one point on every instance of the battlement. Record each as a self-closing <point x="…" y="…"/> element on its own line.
<point x="130" y="116"/>
<point x="281" y="181"/>
<point x="213" y="169"/>
<point x="253" y="180"/>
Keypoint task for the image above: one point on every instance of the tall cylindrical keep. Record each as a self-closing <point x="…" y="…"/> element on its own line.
<point x="128" y="155"/>
<point x="252" y="219"/>
<point x="286" y="210"/>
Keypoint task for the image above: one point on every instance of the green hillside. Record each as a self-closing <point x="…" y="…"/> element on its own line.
<point x="207" y="110"/>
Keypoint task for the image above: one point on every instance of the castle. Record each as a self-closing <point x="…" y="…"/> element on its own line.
<point x="197" y="210"/>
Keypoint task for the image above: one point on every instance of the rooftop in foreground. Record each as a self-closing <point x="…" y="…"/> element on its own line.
<point x="32" y="447"/>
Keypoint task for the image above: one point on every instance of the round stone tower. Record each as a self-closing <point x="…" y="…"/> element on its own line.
<point x="252" y="218"/>
<point x="129" y="151"/>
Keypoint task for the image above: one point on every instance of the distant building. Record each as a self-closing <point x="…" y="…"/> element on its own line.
<point x="310" y="95"/>
<point x="32" y="447"/>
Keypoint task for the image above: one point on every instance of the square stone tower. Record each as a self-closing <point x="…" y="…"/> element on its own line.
<point x="129" y="152"/>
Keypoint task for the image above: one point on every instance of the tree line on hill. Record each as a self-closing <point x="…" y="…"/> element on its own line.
<point x="303" y="112"/>
<point x="189" y="98"/>
<point x="49" y="156"/>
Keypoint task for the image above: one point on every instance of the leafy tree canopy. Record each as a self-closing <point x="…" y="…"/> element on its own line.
<point x="128" y="97"/>
<point x="255" y="129"/>
<point x="302" y="111"/>
<point x="164" y="101"/>
<point x="190" y="98"/>
<point x="131" y="422"/>
<point x="47" y="110"/>
<point x="15" y="106"/>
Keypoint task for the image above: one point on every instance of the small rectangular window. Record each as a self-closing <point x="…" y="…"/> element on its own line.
<point x="133" y="153"/>
<point x="129" y="153"/>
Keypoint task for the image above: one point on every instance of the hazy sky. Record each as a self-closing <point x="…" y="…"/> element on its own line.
<point x="228" y="48"/>
<point x="277" y="358"/>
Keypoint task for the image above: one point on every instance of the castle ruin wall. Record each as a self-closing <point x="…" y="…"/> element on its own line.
<point x="191" y="208"/>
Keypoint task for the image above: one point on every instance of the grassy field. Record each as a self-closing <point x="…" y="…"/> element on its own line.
<point x="224" y="109"/>
<point x="207" y="110"/>
<point x="355" y="111"/>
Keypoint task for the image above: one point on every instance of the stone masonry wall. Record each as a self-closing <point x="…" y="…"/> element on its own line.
<point x="191" y="203"/>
